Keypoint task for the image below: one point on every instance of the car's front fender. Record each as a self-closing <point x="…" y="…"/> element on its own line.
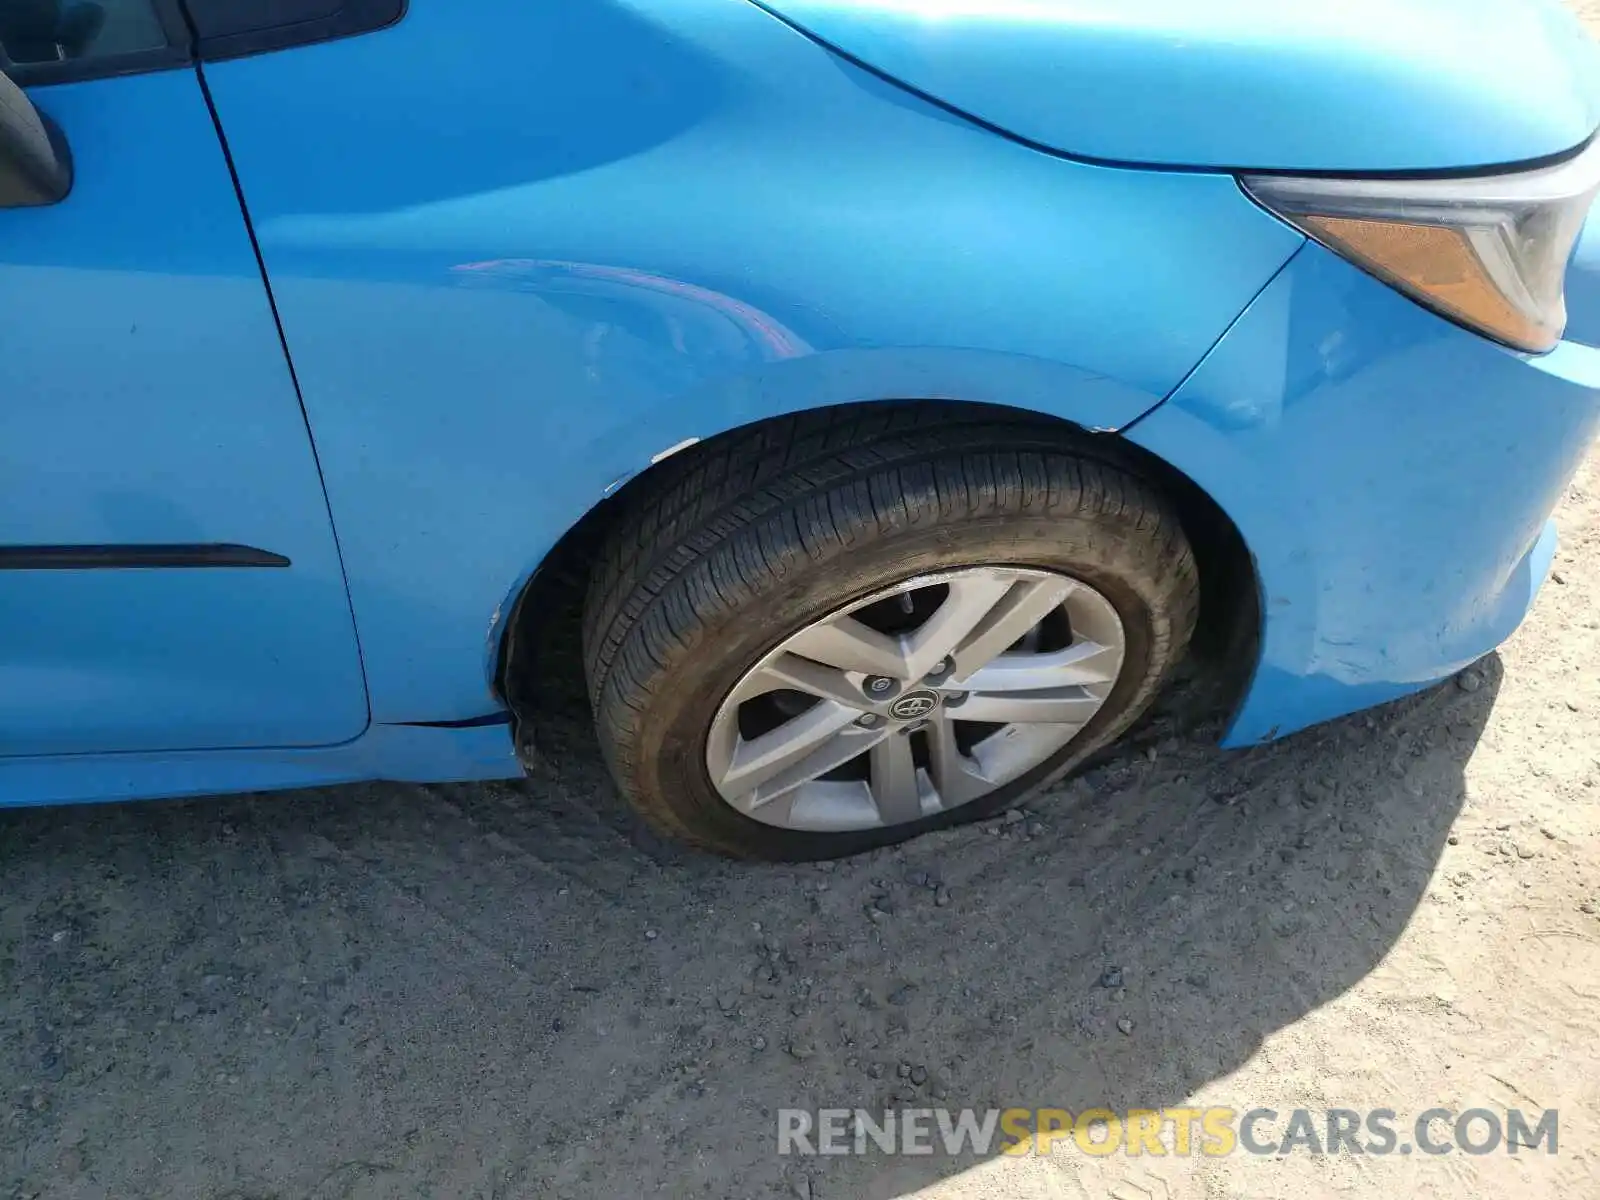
<point x="616" y="226"/>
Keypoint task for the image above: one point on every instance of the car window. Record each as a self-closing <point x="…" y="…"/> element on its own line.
<point x="51" y="40"/>
<point x="56" y="41"/>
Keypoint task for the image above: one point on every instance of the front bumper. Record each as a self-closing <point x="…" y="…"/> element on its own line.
<point x="1392" y="476"/>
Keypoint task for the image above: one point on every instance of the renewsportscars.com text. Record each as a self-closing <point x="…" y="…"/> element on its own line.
<point x="1212" y="1132"/>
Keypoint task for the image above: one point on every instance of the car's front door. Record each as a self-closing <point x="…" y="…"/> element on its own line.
<point x="169" y="577"/>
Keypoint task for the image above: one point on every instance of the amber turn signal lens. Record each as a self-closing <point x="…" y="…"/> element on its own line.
<point x="1488" y="251"/>
<point x="1437" y="265"/>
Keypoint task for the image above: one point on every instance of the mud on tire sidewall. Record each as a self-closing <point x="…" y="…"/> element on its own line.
<point x="666" y="757"/>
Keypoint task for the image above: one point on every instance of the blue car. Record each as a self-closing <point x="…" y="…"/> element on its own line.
<point x="902" y="389"/>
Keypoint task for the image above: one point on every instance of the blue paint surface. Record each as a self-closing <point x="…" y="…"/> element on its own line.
<point x="146" y="400"/>
<point x="1392" y="475"/>
<point x="398" y="753"/>
<point x="623" y="224"/>
<point x="1357" y="85"/>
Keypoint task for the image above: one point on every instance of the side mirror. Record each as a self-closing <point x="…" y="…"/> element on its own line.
<point x="35" y="165"/>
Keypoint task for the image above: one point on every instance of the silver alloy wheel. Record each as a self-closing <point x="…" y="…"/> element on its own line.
<point x="920" y="698"/>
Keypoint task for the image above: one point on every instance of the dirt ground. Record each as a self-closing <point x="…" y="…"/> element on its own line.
<point x="510" y="990"/>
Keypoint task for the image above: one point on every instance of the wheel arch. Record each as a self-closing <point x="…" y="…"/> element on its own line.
<point x="536" y="643"/>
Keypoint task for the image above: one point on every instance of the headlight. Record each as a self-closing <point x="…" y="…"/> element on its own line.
<point x="1489" y="251"/>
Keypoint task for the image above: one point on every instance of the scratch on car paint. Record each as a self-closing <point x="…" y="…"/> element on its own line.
<point x="672" y="449"/>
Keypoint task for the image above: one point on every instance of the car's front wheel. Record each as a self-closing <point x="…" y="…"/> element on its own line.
<point x="845" y="629"/>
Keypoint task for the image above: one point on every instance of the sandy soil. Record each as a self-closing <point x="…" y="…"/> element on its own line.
<point x="510" y="990"/>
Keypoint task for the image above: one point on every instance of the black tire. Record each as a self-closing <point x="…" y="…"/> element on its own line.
<point x="748" y="538"/>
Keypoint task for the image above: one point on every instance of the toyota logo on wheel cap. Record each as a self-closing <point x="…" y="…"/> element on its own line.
<point x="913" y="705"/>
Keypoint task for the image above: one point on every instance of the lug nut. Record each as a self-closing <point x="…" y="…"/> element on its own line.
<point x="867" y="720"/>
<point x="940" y="671"/>
<point x="951" y="699"/>
<point x="877" y="685"/>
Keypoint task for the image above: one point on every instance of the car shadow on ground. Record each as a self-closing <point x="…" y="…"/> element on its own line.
<point x="508" y="990"/>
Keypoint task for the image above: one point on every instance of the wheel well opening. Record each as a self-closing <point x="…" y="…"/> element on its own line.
<point x="541" y="654"/>
<point x="1227" y="636"/>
